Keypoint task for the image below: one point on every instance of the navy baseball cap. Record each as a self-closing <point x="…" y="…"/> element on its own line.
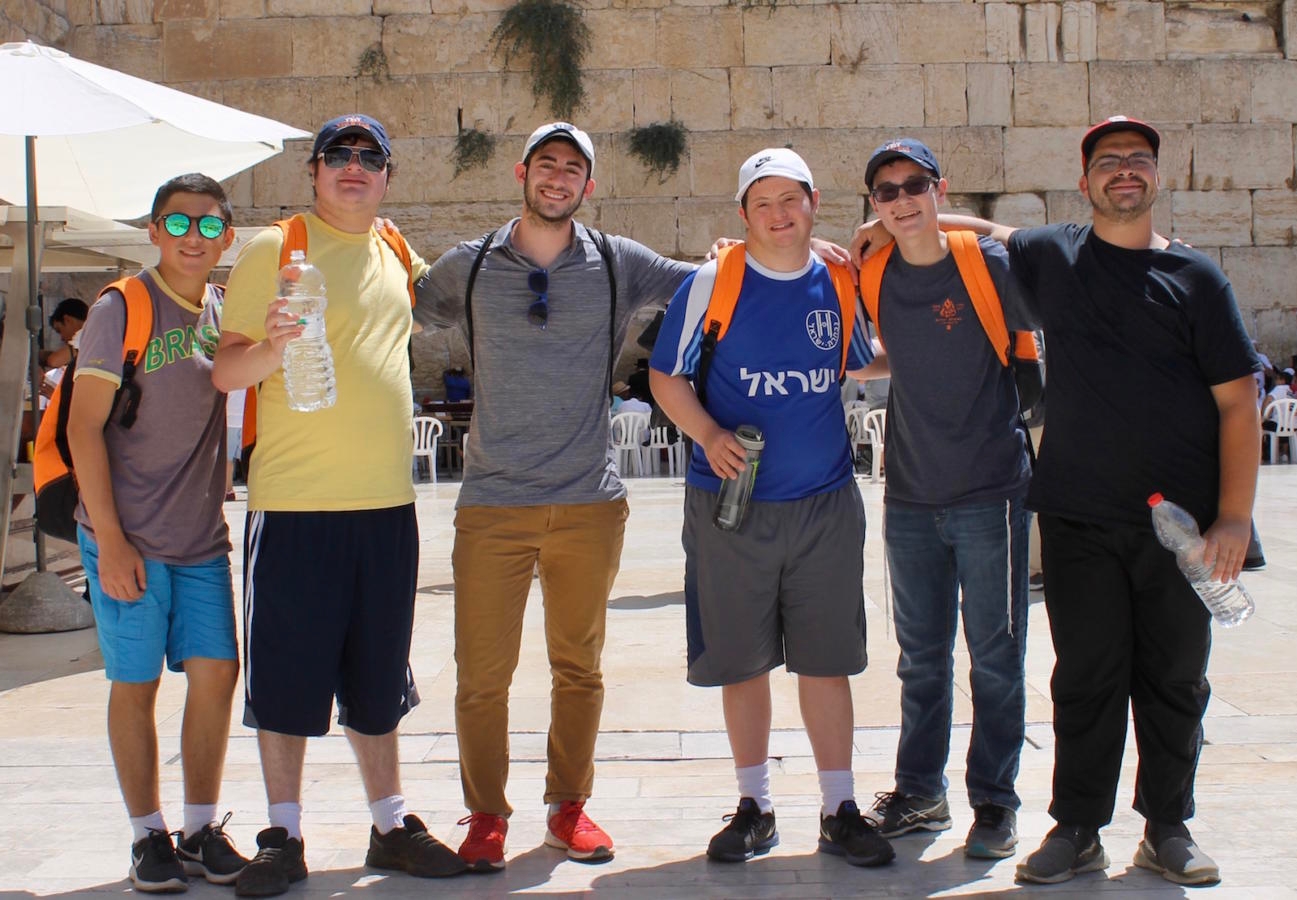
<point x="902" y="148"/>
<point x="1114" y="124"/>
<point x="353" y="123"/>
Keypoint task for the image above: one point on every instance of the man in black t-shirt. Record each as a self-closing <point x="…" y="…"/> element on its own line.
<point x="1130" y="319"/>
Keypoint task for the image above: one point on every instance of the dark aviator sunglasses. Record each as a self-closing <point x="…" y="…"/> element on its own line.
<point x="341" y="157"/>
<point x="914" y="186"/>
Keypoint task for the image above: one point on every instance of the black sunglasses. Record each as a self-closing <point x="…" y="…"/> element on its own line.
<point x="538" y="284"/>
<point x="914" y="186"/>
<point x="177" y="224"/>
<point x="341" y="157"/>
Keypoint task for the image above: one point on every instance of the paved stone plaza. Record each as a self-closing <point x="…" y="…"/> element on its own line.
<point x="664" y="778"/>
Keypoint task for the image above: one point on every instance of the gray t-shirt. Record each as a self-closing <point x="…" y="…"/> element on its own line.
<point x="953" y="436"/>
<point x="168" y="469"/>
<point x="539" y="433"/>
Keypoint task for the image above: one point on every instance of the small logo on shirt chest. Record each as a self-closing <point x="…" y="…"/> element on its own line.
<point x="948" y="313"/>
<point x="824" y="328"/>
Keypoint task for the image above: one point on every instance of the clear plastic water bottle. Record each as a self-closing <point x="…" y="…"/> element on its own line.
<point x="732" y="500"/>
<point x="308" y="361"/>
<point x="1229" y="602"/>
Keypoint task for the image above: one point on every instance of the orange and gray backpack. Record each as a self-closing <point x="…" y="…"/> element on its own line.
<point x="294" y="232"/>
<point x="731" y="263"/>
<point x="55" y="481"/>
<point x="1017" y="349"/>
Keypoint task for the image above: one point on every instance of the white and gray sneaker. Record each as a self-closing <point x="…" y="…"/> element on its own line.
<point x="895" y="813"/>
<point x="154" y="866"/>
<point x="1177" y="859"/>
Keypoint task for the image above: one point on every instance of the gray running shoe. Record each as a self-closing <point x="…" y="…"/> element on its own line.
<point x="1178" y="859"/>
<point x="994" y="834"/>
<point x="894" y="813"/>
<point x="1068" y="850"/>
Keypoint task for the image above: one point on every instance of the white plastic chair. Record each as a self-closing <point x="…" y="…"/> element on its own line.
<point x="866" y="428"/>
<point x="1284" y="414"/>
<point x="659" y="439"/>
<point x="627" y="434"/>
<point x="426" y="431"/>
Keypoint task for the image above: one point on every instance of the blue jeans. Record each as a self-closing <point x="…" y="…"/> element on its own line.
<point x="932" y="554"/>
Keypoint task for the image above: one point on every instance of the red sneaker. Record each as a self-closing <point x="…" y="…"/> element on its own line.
<point x="483" y="849"/>
<point x="570" y="829"/>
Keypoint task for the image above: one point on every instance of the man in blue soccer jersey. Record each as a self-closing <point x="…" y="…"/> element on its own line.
<point x="785" y="587"/>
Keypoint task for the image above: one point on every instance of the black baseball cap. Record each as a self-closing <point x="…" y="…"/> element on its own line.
<point x="1114" y="124"/>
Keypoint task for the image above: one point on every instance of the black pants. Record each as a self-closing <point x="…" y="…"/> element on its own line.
<point x="1127" y="627"/>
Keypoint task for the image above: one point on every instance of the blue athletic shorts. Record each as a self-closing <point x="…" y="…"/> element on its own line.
<point x="186" y="611"/>
<point x="328" y="607"/>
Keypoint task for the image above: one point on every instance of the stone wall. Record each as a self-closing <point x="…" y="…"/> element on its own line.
<point x="1002" y="91"/>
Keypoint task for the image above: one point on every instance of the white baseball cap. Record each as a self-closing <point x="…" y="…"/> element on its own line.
<point x="773" y="161"/>
<point x="567" y="132"/>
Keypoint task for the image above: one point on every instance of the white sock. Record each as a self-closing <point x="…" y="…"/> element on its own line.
<point x="142" y="825"/>
<point x="836" y="785"/>
<point x="754" y="782"/>
<point x="388" y="813"/>
<point x="197" y="815"/>
<point x="287" y="816"/>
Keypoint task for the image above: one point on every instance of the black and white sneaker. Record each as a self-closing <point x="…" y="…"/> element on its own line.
<point x="849" y="834"/>
<point x="210" y="854"/>
<point x="154" y="866"/>
<point x="749" y="833"/>
<point x="895" y="813"/>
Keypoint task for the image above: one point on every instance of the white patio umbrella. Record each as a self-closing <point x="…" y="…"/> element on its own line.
<point x="80" y="135"/>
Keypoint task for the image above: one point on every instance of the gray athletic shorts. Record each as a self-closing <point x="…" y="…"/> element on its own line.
<point x="786" y="587"/>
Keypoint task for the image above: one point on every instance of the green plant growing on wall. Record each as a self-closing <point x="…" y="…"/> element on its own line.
<point x="557" y="39"/>
<point x="473" y="150"/>
<point x="660" y="146"/>
<point x="373" y="62"/>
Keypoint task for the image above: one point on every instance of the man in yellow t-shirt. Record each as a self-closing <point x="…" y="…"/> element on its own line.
<point x="331" y="547"/>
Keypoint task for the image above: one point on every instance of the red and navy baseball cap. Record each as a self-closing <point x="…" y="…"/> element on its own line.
<point x="352" y="123"/>
<point x="1114" y="124"/>
<point x="902" y="148"/>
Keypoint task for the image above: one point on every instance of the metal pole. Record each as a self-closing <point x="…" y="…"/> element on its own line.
<point x="35" y="318"/>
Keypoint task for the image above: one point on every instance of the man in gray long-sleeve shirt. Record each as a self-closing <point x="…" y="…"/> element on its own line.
<point x="540" y="481"/>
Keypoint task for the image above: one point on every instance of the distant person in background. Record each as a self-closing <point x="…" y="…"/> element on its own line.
<point x="625" y="401"/>
<point x="639" y="382"/>
<point x="67" y="320"/>
<point x="458" y="385"/>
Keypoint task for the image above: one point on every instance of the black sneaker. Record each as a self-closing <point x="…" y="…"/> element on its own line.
<point x="1067" y="851"/>
<point x="1253" y="564"/>
<point x="750" y="833"/>
<point x="154" y="867"/>
<point x="894" y="813"/>
<point x="849" y="834"/>
<point x="279" y="862"/>
<point x="412" y="849"/>
<point x="994" y="834"/>
<point x="211" y="854"/>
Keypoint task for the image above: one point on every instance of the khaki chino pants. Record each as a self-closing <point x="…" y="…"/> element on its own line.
<point x="578" y="548"/>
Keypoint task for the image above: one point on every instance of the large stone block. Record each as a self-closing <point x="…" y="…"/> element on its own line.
<point x="1054" y="94"/>
<point x="752" y="98"/>
<point x="414" y="105"/>
<point x="714" y="158"/>
<point x="652" y="92"/>
<point x="839" y="214"/>
<point x="835" y="97"/>
<point x="283" y="180"/>
<point x="945" y="94"/>
<point x="284" y="99"/>
<point x="1289" y="13"/>
<point x="133" y="49"/>
<point x="242" y="9"/>
<point x="622" y="39"/>
<point x="990" y="94"/>
<point x="1004" y="33"/>
<point x="123" y="12"/>
<point x="1242" y="156"/>
<point x="1020" y="210"/>
<point x="838" y="157"/>
<point x="333" y="45"/>
<point x="865" y="34"/>
<point x="786" y="36"/>
<point x="973" y="159"/>
<point x="1040" y="159"/>
<point x="416" y="45"/>
<point x="1175" y="157"/>
<point x="1274" y="91"/>
<point x="1234" y="29"/>
<point x="1226" y="86"/>
<point x="1214" y="218"/>
<point x="1131" y="30"/>
<point x="796" y="97"/>
<point x="402" y="7"/>
<point x="521" y="112"/>
<point x="654" y="223"/>
<point x="609" y="101"/>
<point x="165" y="10"/>
<point x="1041" y="23"/>
<point x="1274" y="218"/>
<point x="1154" y="92"/>
<point x="700" y="98"/>
<point x="703" y="220"/>
<point x="235" y="48"/>
<point x="1262" y="276"/>
<point x="479" y="101"/>
<point x="941" y="33"/>
<point x="687" y="37"/>
<point x="1079" y="31"/>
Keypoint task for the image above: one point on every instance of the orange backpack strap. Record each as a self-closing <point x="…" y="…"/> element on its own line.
<point x="847" y="294"/>
<point x="980" y="287"/>
<point x="294" y="233"/>
<point x="731" y="263"/>
<point x="392" y="236"/>
<point x="871" y="283"/>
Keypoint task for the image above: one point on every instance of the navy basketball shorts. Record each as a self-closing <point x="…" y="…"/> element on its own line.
<point x="328" y="607"/>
